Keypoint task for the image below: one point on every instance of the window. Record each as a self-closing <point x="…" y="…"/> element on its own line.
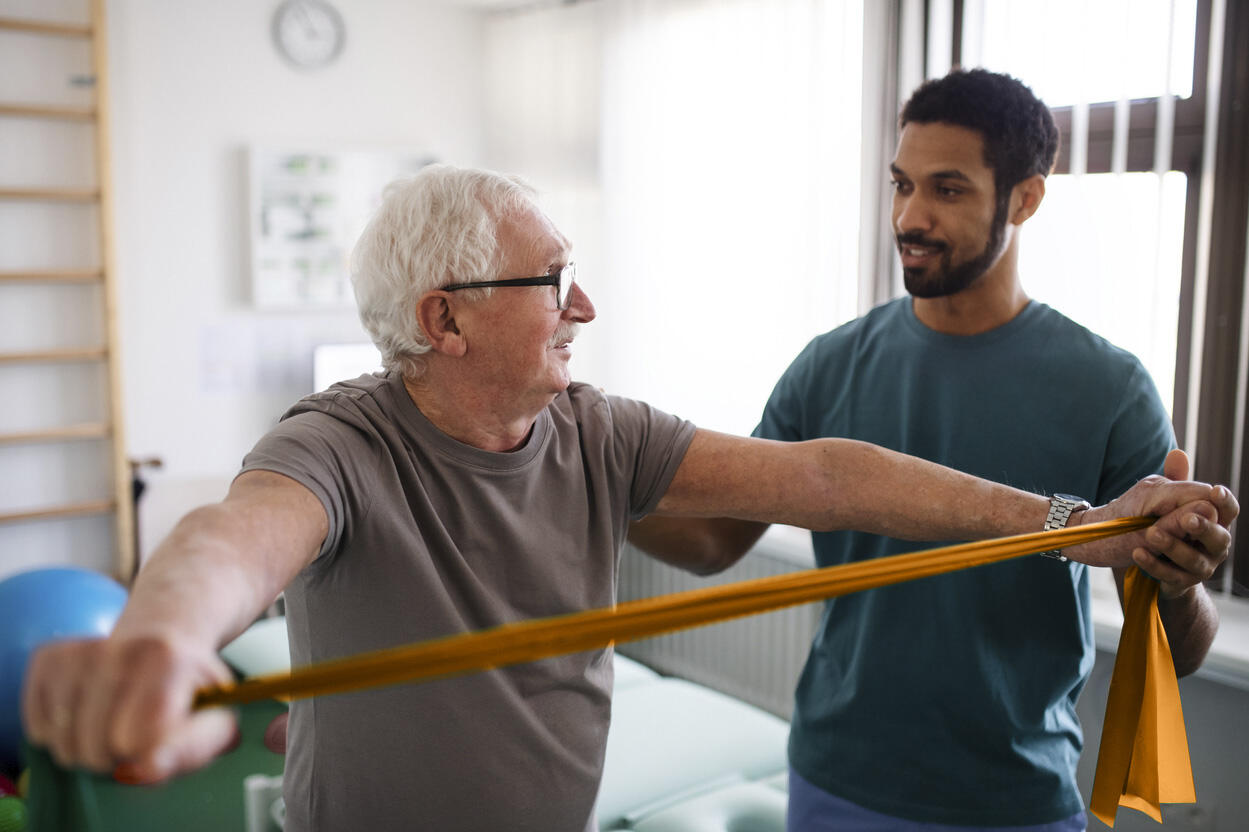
<point x="723" y="167"/>
<point x="1106" y="247"/>
<point x="1143" y="236"/>
<point x="706" y="157"/>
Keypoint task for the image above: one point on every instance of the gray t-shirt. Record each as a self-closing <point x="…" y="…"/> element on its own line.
<point x="429" y="537"/>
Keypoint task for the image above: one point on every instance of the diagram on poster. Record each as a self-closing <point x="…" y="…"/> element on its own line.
<point x="307" y="207"/>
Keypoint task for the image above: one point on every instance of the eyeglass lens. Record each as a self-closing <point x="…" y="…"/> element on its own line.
<point x="567" y="276"/>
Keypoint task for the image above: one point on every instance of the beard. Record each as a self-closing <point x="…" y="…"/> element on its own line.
<point x="948" y="278"/>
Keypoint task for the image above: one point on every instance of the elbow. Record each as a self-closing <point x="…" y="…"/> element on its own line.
<point x="702" y="558"/>
<point x="1186" y="668"/>
<point x="699" y="546"/>
<point x="1190" y="623"/>
<point x="722" y="543"/>
<point x="711" y="562"/>
<point x="1187" y="662"/>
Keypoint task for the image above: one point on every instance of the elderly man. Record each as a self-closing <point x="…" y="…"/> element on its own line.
<point x="471" y="485"/>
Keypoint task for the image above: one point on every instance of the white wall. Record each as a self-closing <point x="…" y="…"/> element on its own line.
<point x="193" y="84"/>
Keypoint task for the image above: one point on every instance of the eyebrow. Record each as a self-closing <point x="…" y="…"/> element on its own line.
<point x="941" y="174"/>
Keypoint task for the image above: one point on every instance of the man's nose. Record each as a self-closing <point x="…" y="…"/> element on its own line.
<point x="580" y="308"/>
<point x="911" y="213"/>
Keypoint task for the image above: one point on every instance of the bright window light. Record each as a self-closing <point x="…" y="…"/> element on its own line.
<point x="1074" y="51"/>
<point x="1104" y="249"/>
<point x="730" y="152"/>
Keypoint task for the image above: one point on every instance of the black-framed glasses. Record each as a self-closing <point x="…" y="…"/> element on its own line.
<point x="562" y="280"/>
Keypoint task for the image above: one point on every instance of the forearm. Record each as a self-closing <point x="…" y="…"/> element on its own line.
<point x="224" y="563"/>
<point x="202" y="585"/>
<point x="127" y="699"/>
<point x="877" y="490"/>
<point x="1191" y="622"/>
<point x="831" y="484"/>
<point x="909" y="498"/>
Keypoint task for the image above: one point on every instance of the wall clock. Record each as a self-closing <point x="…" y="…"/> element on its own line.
<point x="308" y="33"/>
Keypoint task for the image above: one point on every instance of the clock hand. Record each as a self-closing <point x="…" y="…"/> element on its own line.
<point x="310" y="25"/>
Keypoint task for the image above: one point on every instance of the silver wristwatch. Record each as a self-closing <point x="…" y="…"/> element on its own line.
<point x="1061" y="506"/>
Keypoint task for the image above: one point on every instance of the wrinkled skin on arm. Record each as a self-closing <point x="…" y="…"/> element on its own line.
<point x="123" y="703"/>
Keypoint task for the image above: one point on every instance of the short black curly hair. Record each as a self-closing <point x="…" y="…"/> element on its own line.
<point x="1020" y="137"/>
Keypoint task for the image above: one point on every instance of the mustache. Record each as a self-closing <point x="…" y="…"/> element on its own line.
<point x="916" y="239"/>
<point x="566" y="332"/>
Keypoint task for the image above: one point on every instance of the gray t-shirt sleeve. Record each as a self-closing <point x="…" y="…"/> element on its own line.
<point x="328" y="457"/>
<point x="651" y="444"/>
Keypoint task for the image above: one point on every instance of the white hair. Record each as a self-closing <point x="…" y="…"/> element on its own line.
<point x="433" y="229"/>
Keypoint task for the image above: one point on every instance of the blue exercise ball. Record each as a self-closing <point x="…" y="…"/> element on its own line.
<point x="41" y="605"/>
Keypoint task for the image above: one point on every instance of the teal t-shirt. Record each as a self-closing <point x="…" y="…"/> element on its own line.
<point x="952" y="699"/>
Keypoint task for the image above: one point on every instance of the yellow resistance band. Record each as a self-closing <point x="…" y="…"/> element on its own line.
<point x="527" y="641"/>
<point x="1143" y="759"/>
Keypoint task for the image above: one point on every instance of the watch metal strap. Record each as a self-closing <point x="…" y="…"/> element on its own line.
<point x="1061" y="507"/>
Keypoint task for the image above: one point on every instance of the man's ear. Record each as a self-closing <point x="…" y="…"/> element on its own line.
<point x="1026" y="197"/>
<point x="435" y="314"/>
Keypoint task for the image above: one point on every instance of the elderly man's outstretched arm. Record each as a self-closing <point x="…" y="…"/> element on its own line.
<point x="729" y="488"/>
<point x="125" y="700"/>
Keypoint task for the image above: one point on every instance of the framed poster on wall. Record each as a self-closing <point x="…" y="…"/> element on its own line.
<point x="306" y="209"/>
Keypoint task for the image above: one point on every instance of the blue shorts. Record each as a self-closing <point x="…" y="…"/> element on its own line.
<point x="811" y="809"/>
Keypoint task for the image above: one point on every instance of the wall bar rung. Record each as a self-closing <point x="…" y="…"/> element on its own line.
<point x="48" y="111"/>
<point x="53" y="276"/>
<point x="45" y="27"/>
<point x="84" y="508"/>
<point x="51" y="194"/>
<point x="86" y="430"/>
<point x="44" y="356"/>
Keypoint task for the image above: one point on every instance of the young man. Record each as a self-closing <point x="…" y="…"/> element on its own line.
<point x="469" y="486"/>
<point x="951" y="701"/>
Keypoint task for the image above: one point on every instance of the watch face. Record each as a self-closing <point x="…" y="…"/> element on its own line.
<point x="308" y="33"/>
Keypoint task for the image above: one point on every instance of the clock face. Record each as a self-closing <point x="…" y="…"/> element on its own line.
<point x="308" y="33"/>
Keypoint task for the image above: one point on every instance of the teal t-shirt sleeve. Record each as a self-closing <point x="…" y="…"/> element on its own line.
<point x="783" y="414"/>
<point x="1140" y="437"/>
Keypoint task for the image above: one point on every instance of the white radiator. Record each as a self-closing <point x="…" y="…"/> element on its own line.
<point x="756" y="659"/>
